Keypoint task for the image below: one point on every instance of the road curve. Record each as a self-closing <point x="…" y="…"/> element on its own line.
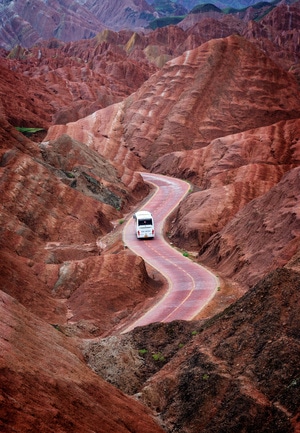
<point x="191" y="286"/>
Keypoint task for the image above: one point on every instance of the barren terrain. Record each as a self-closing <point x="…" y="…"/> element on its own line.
<point x="215" y="103"/>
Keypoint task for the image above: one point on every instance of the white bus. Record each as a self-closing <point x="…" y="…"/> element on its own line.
<point x="144" y="225"/>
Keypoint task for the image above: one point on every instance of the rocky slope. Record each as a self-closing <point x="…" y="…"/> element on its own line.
<point x="58" y="201"/>
<point x="277" y="34"/>
<point x="235" y="374"/>
<point x="265" y="237"/>
<point x="27" y="24"/>
<point x="222" y="87"/>
<point x="47" y="387"/>
<point x="118" y="15"/>
<point x="65" y="82"/>
<point x="31" y="22"/>
<point x="232" y="172"/>
<point x="72" y="80"/>
<point x="230" y="373"/>
<point x="223" y="116"/>
<point x="273" y="28"/>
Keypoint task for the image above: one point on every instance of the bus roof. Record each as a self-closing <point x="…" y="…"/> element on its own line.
<point x="143" y="214"/>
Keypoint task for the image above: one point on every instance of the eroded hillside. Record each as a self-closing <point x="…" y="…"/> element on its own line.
<point x="229" y="127"/>
<point x="47" y="387"/>
<point x="237" y="371"/>
<point x="67" y="81"/>
<point x="250" y="177"/>
<point x="222" y="87"/>
<point x="225" y="117"/>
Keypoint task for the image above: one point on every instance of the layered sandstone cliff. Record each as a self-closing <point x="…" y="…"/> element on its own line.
<point x="77" y="78"/>
<point x="226" y="118"/>
<point x="239" y="371"/>
<point x="60" y="83"/>
<point x="223" y="87"/>
<point x="58" y="201"/>
<point x="47" y="387"/>
<point x="231" y="172"/>
<point x="221" y="123"/>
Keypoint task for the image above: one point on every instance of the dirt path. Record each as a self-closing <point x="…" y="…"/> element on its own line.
<point x="191" y="286"/>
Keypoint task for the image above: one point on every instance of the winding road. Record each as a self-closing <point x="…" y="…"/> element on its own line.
<point x="191" y="286"/>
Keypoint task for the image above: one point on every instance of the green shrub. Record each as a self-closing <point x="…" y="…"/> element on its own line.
<point x="69" y="174"/>
<point x="158" y="356"/>
<point x="28" y="131"/>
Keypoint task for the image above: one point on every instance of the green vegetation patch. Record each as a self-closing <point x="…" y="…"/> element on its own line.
<point x="165" y="21"/>
<point x="158" y="356"/>
<point x="230" y="10"/>
<point x="28" y="131"/>
<point x="265" y="7"/>
<point x="261" y="5"/>
<point x="208" y="7"/>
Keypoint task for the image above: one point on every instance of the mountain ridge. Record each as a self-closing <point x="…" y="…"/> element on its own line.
<point x="218" y="109"/>
<point x="28" y="24"/>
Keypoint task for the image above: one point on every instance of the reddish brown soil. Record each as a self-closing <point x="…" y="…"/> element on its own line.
<point x="225" y="117"/>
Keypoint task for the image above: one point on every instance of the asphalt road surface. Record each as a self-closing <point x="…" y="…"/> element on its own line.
<point x="191" y="286"/>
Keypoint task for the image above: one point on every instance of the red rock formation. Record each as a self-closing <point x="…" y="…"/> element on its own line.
<point x="47" y="387"/>
<point x="60" y="198"/>
<point x="122" y="15"/>
<point x="275" y="30"/>
<point x="56" y="203"/>
<point x="51" y="273"/>
<point x="194" y="18"/>
<point x="231" y="172"/>
<point x="25" y="102"/>
<point x="64" y="82"/>
<point x="73" y="80"/>
<point x="220" y="88"/>
<point x="27" y="23"/>
<point x="238" y="371"/>
<point x="212" y="28"/>
<point x="102" y="293"/>
<point x="102" y="132"/>
<point x="245" y="165"/>
<point x="285" y="17"/>
<point x="197" y="96"/>
<point x="278" y="34"/>
<point x="262" y="237"/>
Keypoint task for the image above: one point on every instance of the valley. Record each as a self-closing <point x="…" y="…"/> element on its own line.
<point x="90" y="121"/>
